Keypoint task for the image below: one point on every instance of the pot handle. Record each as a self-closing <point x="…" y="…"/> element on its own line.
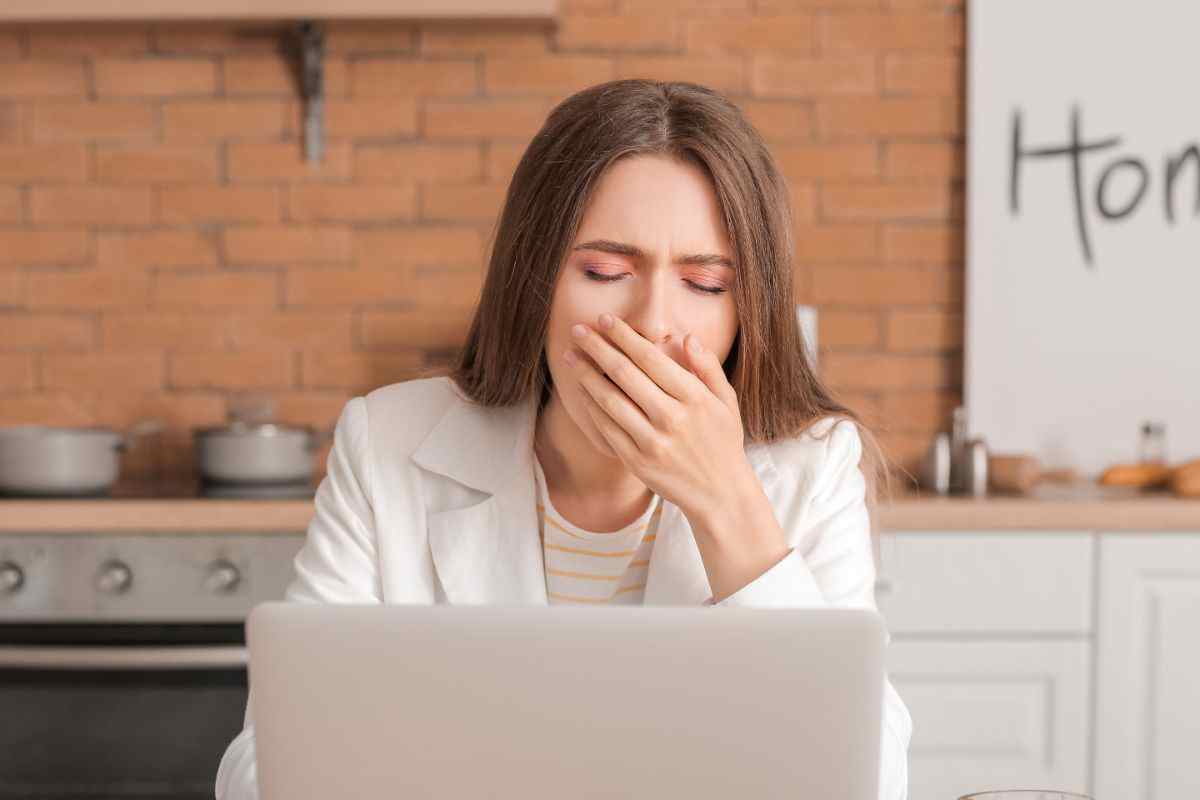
<point x="144" y="427"/>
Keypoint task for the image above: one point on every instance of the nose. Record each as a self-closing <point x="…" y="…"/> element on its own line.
<point x="650" y="314"/>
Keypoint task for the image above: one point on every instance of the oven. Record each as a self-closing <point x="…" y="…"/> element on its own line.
<point x="123" y="659"/>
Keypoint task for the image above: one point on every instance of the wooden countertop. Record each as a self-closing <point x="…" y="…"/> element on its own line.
<point x="1083" y="507"/>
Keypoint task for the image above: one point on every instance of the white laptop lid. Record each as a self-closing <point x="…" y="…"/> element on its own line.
<point x="375" y="701"/>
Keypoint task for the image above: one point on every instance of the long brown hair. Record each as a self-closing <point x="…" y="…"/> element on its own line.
<point x="503" y="359"/>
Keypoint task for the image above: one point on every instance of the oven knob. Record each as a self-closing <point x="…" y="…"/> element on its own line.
<point x="114" y="577"/>
<point x="223" y="577"/>
<point x="11" y="577"/>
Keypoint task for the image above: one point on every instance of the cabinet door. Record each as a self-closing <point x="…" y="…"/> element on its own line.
<point x="993" y="714"/>
<point x="1148" y="677"/>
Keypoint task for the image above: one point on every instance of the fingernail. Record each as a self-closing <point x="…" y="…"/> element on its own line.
<point x="569" y="357"/>
<point x="579" y="331"/>
<point x="606" y="320"/>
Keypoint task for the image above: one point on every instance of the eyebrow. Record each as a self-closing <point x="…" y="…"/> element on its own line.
<point x="623" y="249"/>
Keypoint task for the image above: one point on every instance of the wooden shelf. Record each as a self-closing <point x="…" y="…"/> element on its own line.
<point x="186" y="10"/>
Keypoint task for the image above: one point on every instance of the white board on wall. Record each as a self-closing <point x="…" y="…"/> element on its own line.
<point x="1083" y="229"/>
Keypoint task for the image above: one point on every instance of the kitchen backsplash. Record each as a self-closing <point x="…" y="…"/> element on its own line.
<point x="164" y="246"/>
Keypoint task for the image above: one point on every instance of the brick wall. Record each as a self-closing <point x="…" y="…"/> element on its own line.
<point x="164" y="245"/>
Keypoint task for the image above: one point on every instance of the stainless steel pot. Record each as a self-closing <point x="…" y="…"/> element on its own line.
<point x="54" y="460"/>
<point x="257" y="452"/>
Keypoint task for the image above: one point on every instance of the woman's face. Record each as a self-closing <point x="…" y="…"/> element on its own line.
<point x="651" y="249"/>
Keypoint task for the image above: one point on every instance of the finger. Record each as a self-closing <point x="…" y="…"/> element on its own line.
<point x="617" y="442"/>
<point x="708" y="369"/>
<point x="663" y="370"/>
<point x="613" y="403"/>
<point x="625" y="373"/>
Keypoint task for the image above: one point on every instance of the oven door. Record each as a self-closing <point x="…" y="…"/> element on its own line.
<point x="118" y="710"/>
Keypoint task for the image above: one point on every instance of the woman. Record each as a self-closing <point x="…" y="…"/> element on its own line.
<point x="581" y="450"/>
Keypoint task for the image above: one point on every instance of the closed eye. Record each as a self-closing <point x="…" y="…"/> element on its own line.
<point x="603" y="278"/>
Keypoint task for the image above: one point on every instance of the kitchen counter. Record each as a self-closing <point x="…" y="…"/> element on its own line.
<point x="177" y="509"/>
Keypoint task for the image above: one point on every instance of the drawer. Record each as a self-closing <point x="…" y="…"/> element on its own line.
<point x="1008" y="582"/>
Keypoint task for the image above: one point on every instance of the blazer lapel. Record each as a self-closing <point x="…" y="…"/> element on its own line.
<point x="490" y="553"/>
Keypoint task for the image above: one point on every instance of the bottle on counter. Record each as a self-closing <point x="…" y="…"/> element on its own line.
<point x="1152" y="447"/>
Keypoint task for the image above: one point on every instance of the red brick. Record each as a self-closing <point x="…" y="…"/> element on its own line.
<point x="924" y="330"/>
<point x="809" y="77"/>
<point x="43" y="163"/>
<point x="780" y="120"/>
<point x="333" y="288"/>
<point x="836" y="243"/>
<point x="800" y="162"/>
<point x="12" y="43"/>
<point x="267" y="370"/>
<point x="88" y="39"/>
<point x="11" y="204"/>
<point x="89" y="289"/>
<point x="848" y="330"/>
<point x="875" y="371"/>
<point x="159" y="330"/>
<point x="372" y="36"/>
<point x="387" y="76"/>
<point x="419" y="245"/>
<point x="502" y="159"/>
<point x="886" y="201"/>
<point x="476" y="38"/>
<point x="153" y="164"/>
<point x="43" y="79"/>
<point x="937" y="245"/>
<point x="207" y="204"/>
<point x="359" y="371"/>
<point x="886" y="286"/>
<point x="43" y="247"/>
<point x="612" y="33"/>
<point x="544" y="74"/>
<point x="923" y="74"/>
<point x="752" y="34"/>
<point x="690" y="8"/>
<point x="156" y="249"/>
<point x="16" y="375"/>
<point x="872" y="118"/>
<point x="53" y="332"/>
<point x="94" y="204"/>
<point x="290" y="330"/>
<point x="273" y="161"/>
<point x="282" y="245"/>
<point x="484" y="119"/>
<point x="922" y="410"/>
<point x="370" y="119"/>
<point x="723" y="73"/>
<point x="418" y="328"/>
<point x="924" y="160"/>
<point x="217" y="37"/>
<point x="154" y="77"/>
<point x="191" y="120"/>
<point x="358" y="203"/>
<point x="891" y="31"/>
<point x="190" y="290"/>
<point x="130" y="371"/>
<point x="462" y="202"/>
<point x="14" y="122"/>
<point x="93" y="121"/>
<point x="419" y="162"/>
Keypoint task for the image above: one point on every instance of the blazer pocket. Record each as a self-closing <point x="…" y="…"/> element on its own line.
<point x="464" y="549"/>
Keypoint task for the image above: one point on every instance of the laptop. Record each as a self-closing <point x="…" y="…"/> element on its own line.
<point x="554" y="702"/>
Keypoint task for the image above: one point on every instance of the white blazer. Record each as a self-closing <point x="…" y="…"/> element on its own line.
<point x="430" y="498"/>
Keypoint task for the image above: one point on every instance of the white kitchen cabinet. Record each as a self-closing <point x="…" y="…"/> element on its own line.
<point x="991" y="651"/>
<point x="994" y="714"/>
<point x="987" y="582"/>
<point x="1148" y="676"/>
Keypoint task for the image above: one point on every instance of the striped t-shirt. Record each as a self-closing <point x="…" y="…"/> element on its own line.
<point x="594" y="567"/>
